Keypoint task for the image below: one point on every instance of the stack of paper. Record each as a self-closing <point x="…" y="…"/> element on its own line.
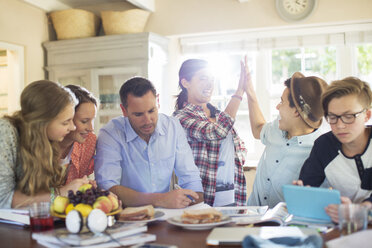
<point x="118" y="235"/>
<point x="14" y="216"/>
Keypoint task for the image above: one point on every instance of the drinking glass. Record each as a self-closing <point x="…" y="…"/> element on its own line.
<point x="40" y="217"/>
<point x="352" y="218"/>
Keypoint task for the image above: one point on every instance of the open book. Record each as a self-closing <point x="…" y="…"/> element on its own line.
<point x="117" y="235"/>
<point x="14" y="216"/>
<point x="280" y="216"/>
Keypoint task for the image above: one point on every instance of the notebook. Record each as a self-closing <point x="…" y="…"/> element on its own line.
<point x="309" y="202"/>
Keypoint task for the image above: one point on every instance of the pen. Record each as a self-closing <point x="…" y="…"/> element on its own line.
<point x="176" y="186"/>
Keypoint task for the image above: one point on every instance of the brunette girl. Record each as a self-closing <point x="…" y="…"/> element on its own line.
<point x="218" y="151"/>
<point x="79" y="146"/>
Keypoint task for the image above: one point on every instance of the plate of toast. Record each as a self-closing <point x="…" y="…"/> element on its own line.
<point x="200" y="219"/>
<point x="142" y="214"/>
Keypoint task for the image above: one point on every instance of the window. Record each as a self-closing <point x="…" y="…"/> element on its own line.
<point x="329" y="51"/>
<point x="364" y="62"/>
<point x="317" y="61"/>
<point x="3" y="86"/>
<point x="11" y="77"/>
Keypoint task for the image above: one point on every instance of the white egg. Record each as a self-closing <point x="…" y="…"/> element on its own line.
<point x="74" y="221"/>
<point x="97" y="221"/>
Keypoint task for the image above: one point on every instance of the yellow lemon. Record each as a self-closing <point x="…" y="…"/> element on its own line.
<point x="84" y="209"/>
<point x="69" y="208"/>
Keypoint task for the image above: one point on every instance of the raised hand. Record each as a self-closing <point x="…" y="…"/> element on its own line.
<point x="243" y="77"/>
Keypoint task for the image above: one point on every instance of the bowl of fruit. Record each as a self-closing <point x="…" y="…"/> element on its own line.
<point x="84" y="200"/>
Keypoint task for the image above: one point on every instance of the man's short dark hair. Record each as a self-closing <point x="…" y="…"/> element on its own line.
<point x="137" y="86"/>
<point x="288" y="84"/>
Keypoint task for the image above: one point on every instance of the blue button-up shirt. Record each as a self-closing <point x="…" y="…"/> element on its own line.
<point x="280" y="163"/>
<point x="123" y="158"/>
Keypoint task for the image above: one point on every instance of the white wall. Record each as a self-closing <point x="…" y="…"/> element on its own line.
<point x="176" y="17"/>
<point x="24" y="25"/>
<point x="180" y="17"/>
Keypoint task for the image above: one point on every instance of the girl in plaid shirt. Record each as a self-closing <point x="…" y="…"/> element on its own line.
<point x="218" y="151"/>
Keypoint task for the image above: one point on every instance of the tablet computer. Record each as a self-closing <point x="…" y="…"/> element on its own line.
<point x="309" y="202"/>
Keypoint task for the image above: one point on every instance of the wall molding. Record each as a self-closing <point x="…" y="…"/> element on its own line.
<point x="285" y="36"/>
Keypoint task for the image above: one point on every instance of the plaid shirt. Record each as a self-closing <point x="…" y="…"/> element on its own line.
<point x="205" y="139"/>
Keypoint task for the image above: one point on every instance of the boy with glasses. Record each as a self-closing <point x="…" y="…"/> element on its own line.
<point x="342" y="158"/>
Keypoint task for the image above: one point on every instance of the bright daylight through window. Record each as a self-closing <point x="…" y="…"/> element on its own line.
<point x="316" y="61"/>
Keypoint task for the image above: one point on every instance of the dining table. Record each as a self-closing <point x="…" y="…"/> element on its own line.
<point x="20" y="236"/>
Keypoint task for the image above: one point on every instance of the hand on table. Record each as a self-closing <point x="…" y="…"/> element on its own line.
<point x="176" y="198"/>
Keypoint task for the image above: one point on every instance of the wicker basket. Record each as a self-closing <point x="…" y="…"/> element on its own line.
<point x="74" y="23"/>
<point x="124" y="22"/>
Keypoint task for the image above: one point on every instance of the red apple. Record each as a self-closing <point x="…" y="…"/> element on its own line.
<point x="103" y="203"/>
<point x="114" y="200"/>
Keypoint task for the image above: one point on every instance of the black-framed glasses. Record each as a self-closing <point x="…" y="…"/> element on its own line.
<point x="346" y="118"/>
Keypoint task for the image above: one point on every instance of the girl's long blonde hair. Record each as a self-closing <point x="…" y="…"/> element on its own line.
<point x="41" y="102"/>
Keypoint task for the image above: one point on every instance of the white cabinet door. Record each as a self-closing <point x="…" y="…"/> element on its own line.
<point x="106" y="84"/>
<point x="70" y="76"/>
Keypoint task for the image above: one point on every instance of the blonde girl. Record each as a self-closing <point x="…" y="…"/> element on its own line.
<point x="29" y="152"/>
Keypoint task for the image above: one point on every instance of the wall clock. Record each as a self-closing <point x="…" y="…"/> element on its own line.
<point x="295" y="10"/>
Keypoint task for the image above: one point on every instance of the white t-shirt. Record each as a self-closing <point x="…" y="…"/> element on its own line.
<point x="225" y="193"/>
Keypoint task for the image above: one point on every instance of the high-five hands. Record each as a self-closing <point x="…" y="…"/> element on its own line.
<point x="245" y="76"/>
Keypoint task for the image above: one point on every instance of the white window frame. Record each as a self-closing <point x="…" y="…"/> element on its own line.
<point x="343" y="35"/>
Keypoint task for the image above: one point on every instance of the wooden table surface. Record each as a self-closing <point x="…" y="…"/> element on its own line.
<point x="18" y="236"/>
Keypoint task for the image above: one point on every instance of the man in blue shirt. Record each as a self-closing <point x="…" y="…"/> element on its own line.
<point x="288" y="139"/>
<point x="137" y="153"/>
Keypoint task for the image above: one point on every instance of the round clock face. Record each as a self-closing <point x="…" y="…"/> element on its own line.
<point x="295" y="6"/>
<point x="295" y="10"/>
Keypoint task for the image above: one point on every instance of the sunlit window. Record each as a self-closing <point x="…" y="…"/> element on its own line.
<point x="364" y="62"/>
<point x="315" y="61"/>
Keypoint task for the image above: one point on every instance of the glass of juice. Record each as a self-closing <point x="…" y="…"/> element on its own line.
<point x="40" y="217"/>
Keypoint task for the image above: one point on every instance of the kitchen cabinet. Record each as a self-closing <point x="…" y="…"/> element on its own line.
<point x="102" y="64"/>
